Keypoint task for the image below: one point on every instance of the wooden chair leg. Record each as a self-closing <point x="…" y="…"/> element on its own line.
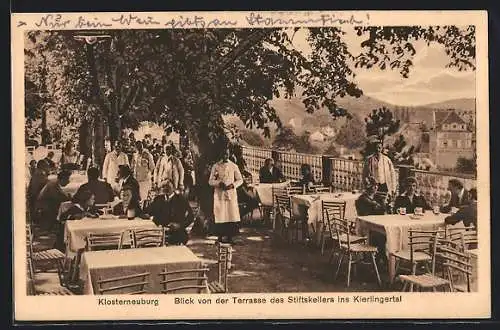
<point x="339" y="264"/>
<point x="376" y="269"/>
<point x="405" y="286"/>
<point x="322" y="240"/>
<point x="349" y="264"/>
<point x="413" y="271"/>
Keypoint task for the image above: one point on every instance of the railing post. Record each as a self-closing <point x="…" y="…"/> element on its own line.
<point x="405" y="171"/>
<point x="326" y="165"/>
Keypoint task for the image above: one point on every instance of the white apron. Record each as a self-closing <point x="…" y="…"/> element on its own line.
<point x="226" y="202"/>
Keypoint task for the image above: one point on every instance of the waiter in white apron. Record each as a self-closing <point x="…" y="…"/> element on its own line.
<point x="225" y="177"/>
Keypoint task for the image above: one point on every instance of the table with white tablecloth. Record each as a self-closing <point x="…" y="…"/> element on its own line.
<point x="76" y="231"/>
<point x="395" y="228"/>
<point x="310" y="206"/>
<point x="265" y="191"/>
<point x="115" y="263"/>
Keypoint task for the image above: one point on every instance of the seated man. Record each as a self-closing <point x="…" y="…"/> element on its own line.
<point x="410" y="199"/>
<point x="269" y="173"/>
<point x="102" y="191"/>
<point x="459" y="196"/>
<point x="367" y="203"/>
<point x="173" y="212"/>
<point x="50" y="198"/>
<point x="247" y="198"/>
<point x="467" y="214"/>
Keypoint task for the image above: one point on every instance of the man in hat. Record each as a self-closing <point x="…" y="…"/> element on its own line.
<point x="380" y="167"/>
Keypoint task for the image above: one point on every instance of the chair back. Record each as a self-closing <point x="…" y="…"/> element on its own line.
<point x="128" y="284"/>
<point x="278" y="191"/>
<point x="465" y="235"/>
<point x="148" y="237"/>
<point x="340" y="228"/>
<point x="180" y="281"/>
<point x="283" y="204"/>
<point x="293" y="190"/>
<point x="422" y="241"/>
<point x="453" y="260"/>
<point x="107" y="241"/>
<point x="223" y="258"/>
<point x="322" y="189"/>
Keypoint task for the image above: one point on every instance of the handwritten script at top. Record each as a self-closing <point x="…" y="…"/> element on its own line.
<point x="254" y="20"/>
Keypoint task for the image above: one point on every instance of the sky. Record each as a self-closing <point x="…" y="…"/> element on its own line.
<point x="429" y="81"/>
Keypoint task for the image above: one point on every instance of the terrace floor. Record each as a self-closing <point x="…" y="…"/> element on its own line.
<point x="262" y="263"/>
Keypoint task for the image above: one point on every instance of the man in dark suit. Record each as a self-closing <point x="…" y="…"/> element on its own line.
<point x="410" y="199"/>
<point x="127" y="179"/>
<point x="467" y="214"/>
<point x="102" y="191"/>
<point x="368" y="203"/>
<point x="459" y="196"/>
<point x="173" y="212"/>
<point x="269" y="173"/>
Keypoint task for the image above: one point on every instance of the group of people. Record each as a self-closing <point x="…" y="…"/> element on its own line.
<point x="379" y="196"/>
<point x="150" y="174"/>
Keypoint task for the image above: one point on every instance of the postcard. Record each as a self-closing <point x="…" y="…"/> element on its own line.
<point x="251" y="165"/>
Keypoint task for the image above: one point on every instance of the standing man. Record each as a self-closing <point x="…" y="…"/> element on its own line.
<point x="380" y="167"/>
<point x="112" y="161"/>
<point x="143" y="166"/>
<point x="225" y="178"/>
<point x="170" y="168"/>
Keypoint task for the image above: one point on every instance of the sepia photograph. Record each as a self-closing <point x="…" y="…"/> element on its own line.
<point x="296" y="161"/>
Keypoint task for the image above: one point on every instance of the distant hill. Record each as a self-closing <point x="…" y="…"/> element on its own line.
<point x="292" y="112"/>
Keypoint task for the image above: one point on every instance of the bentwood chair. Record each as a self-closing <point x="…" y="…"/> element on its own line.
<point x="336" y="210"/>
<point x="174" y="281"/>
<point x="355" y="251"/>
<point x="223" y="256"/>
<point x="105" y="241"/>
<point x="447" y="258"/>
<point x="128" y="284"/>
<point x="147" y="237"/>
<point x="419" y="251"/>
<point x="48" y="257"/>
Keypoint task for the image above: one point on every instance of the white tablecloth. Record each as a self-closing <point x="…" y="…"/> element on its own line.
<point x="76" y="231"/>
<point x="265" y="191"/>
<point x="395" y="227"/>
<point x="115" y="263"/>
<point x="312" y="203"/>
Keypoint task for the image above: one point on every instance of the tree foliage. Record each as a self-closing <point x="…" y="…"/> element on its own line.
<point x="466" y="165"/>
<point x="352" y="134"/>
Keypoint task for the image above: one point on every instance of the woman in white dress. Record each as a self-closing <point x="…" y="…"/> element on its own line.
<point x="225" y="178"/>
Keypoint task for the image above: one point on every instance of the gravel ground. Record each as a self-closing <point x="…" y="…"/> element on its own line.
<point x="262" y="263"/>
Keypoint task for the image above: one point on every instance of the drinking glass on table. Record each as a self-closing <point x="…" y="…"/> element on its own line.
<point x="402" y="210"/>
<point x="418" y="211"/>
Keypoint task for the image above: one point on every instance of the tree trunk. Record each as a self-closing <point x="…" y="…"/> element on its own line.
<point x="114" y="128"/>
<point x="85" y="140"/>
<point x="98" y="147"/>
